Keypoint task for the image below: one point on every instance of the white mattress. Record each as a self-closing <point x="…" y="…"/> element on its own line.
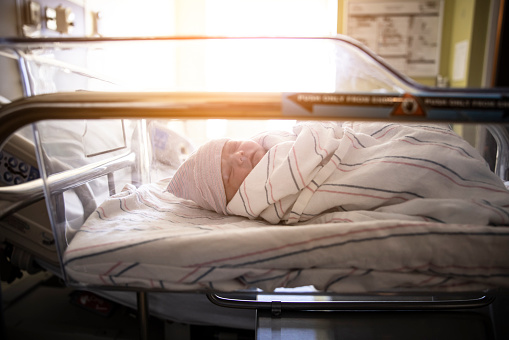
<point x="145" y="237"/>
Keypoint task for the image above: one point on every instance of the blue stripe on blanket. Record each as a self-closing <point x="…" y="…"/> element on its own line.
<point x="373" y="189"/>
<point x="316" y="145"/>
<point x="441" y="143"/>
<point x="291" y="172"/>
<point x="126" y="269"/>
<point x="244" y="203"/>
<point x="367" y="239"/>
<point x="127" y="246"/>
<point x="412" y="126"/>
<point x="419" y="160"/>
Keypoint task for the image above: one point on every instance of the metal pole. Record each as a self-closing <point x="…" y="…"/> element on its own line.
<point x="142" y="299"/>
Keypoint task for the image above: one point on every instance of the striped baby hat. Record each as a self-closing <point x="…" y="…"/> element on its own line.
<point x="199" y="177"/>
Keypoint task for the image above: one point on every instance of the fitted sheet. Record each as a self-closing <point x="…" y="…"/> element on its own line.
<point x="147" y="238"/>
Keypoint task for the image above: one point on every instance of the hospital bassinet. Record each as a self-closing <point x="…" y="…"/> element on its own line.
<point x="103" y="147"/>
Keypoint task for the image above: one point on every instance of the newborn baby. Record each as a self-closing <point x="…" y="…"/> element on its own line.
<point x="212" y="174"/>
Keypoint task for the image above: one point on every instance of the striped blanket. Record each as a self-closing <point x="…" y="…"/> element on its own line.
<point x="372" y="171"/>
<point x="366" y="203"/>
<point x="145" y="237"/>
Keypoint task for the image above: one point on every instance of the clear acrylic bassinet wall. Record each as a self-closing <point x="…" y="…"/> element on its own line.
<point x="84" y="157"/>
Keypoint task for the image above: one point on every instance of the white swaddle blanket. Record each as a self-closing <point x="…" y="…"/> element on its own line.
<point x="365" y="171"/>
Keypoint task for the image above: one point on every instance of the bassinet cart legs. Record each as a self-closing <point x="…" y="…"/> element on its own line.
<point x="143" y="313"/>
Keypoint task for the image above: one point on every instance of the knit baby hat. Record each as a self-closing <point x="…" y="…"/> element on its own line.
<point x="199" y="177"/>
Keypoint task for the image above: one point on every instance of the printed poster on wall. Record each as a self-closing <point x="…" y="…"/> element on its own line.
<point x="405" y="33"/>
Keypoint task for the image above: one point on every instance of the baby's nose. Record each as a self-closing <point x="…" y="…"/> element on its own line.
<point x="241" y="157"/>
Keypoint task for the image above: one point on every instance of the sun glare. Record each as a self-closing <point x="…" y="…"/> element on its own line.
<point x="218" y="65"/>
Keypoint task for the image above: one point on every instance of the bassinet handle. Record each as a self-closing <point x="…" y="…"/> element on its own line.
<point x="15" y="197"/>
<point x="383" y="303"/>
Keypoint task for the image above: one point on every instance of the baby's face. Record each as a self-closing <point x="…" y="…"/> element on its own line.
<point x="237" y="160"/>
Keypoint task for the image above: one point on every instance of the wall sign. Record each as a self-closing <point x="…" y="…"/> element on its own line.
<point x="406" y="34"/>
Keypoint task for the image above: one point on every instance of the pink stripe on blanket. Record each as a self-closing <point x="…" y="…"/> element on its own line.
<point x="317" y="135"/>
<point x="112" y="268"/>
<point x="434" y="144"/>
<point x="247" y="198"/>
<point x="351" y="140"/>
<point x="454" y="266"/>
<point x="270" y="183"/>
<point x="273" y="200"/>
<point x="288" y="245"/>
<point x="128" y="241"/>
<point x="427" y="168"/>
<point x="188" y="274"/>
<point x="103" y="212"/>
<point x="386" y="131"/>
<point x="124" y="203"/>
<point x="274" y="157"/>
<point x="362" y="195"/>
<point x="106" y="283"/>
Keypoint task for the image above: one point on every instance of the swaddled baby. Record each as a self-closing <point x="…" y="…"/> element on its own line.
<point x="212" y="175"/>
<point x="374" y="169"/>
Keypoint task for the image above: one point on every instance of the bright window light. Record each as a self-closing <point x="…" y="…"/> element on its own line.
<point x="283" y="125"/>
<point x="212" y="68"/>
<point x="216" y="128"/>
<point x="256" y="66"/>
<point x="217" y="68"/>
<point x="269" y="18"/>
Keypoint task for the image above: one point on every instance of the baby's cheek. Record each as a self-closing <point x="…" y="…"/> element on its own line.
<point x="243" y="176"/>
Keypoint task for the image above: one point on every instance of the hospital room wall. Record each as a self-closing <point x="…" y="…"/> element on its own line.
<point x="463" y="21"/>
<point x="8" y="68"/>
<point x="469" y="23"/>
